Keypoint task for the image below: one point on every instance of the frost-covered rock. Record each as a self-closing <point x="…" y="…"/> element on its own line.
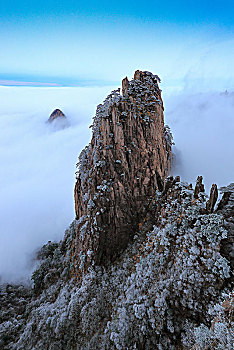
<point x="169" y="290"/>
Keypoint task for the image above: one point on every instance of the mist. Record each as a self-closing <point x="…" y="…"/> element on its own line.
<point x="38" y="161"/>
<point x="38" y="168"/>
<point x="203" y="127"/>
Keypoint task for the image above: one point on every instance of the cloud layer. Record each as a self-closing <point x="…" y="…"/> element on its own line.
<point x="203" y="129"/>
<point x="37" y="168"/>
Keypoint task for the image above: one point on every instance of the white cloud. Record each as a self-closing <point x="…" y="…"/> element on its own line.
<point x="203" y="129"/>
<point x="37" y="168"/>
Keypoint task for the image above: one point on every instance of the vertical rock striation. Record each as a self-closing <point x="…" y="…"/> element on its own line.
<point x="119" y="172"/>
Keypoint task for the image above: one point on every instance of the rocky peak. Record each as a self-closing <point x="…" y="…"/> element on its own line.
<point x="199" y="188"/>
<point x="58" y="120"/>
<point x="213" y="198"/>
<point x="119" y="172"/>
<point x="56" y="114"/>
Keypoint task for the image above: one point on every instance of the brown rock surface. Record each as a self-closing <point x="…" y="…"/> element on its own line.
<point x="120" y="171"/>
<point x="199" y="188"/>
<point x="56" y="114"/>
<point x="213" y="198"/>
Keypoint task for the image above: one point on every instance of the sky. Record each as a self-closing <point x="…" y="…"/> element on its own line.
<point x="98" y="42"/>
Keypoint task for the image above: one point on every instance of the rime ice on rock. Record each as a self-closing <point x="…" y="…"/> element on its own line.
<point x="199" y="188"/>
<point x="126" y="162"/>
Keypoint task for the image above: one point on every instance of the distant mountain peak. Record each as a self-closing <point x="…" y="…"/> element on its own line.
<point x="58" y="120"/>
<point x="57" y="113"/>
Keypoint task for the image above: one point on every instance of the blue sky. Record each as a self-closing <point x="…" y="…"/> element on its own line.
<point x="69" y="42"/>
<point x="182" y="11"/>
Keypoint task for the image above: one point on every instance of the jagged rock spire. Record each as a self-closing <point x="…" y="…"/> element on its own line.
<point x="199" y="188"/>
<point x="119" y="172"/>
<point x="210" y="204"/>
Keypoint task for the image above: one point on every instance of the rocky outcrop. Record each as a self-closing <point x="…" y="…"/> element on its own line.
<point x="120" y="171"/>
<point x="58" y="121"/>
<point x="55" y="115"/>
<point x="199" y="188"/>
<point x="213" y="198"/>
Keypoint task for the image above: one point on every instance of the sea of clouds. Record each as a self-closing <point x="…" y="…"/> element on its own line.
<point x="37" y="161"/>
<point x="203" y="127"/>
<point x="37" y="168"/>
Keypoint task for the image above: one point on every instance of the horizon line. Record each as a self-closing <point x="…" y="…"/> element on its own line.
<point x="44" y="81"/>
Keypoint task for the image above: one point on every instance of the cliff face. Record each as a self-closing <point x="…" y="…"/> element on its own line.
<point x="128" y="159"/>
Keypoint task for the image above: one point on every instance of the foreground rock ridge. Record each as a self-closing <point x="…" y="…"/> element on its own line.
<point x="119" y="172"/>
<point x="160" y="278"/>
